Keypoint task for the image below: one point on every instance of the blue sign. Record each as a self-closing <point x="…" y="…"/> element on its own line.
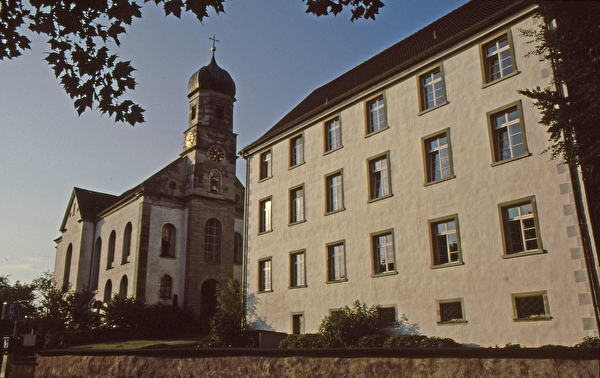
<point x="10" y="311"/>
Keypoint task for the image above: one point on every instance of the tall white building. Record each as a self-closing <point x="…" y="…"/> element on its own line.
<point x="415" y="182"/>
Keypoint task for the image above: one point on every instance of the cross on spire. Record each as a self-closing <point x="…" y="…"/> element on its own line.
<point x="214" y="40"/>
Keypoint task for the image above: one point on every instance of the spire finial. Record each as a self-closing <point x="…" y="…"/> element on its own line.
<point x="213" y="48"/>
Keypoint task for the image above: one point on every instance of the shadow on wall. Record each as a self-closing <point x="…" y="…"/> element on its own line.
<point x="253" y="321"/>
<point x="405" y="327"/>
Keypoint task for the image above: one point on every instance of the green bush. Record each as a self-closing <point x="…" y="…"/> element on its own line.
<point x="372" y="341"/>
<point x="589" y="342"/>
<point x="211" y="341"/>
<point x="344" y="328"/>
<point x="303" y="341"/>
<point x="227" y="321"/>
<point x="419" y="341"/>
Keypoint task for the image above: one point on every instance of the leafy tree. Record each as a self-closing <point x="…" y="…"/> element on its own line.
<point x="22" y="293"/>
<point x="344" y="328"/>
<point x="81" y="33"/>
<point x="227" y="321"/>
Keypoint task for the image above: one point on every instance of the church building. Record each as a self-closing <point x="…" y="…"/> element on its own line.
<point x="416" y="183"/>
<point x="175" y="237"/>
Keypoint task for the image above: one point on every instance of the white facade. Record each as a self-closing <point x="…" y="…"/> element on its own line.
<point x="487" y="282"/>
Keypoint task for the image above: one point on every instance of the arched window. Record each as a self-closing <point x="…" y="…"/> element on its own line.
<point x="95" y="271"/>
<point x="167" y="244"/>
<point x="215" y="181"/>
<point x="166" y="283"/>
<point x="123" y="287"/>
<point x="126" y="244"/>
<point x="237" y="248"/>
<point x="67" y="272"/>
<point x="213" y="241"/>
<point x="107" y="291"/>
<point x="110" y="257"/>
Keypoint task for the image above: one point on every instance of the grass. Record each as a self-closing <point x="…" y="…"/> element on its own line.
<point x="139" y="344"/>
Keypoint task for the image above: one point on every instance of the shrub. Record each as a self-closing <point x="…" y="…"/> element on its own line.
<point x="303" y="341"/>
<point x="372" y="341"/>
<point x="345" y="327"/>
<point x="211" y="341"/>
<point x="419" y="341"/>
<point x="227" y="321"/>
<point x="589" y="342"/>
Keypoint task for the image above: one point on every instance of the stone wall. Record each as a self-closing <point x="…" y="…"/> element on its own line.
<point x="547" y="363"/>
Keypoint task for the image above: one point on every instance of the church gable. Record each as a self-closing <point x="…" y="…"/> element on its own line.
<point x="171" y="181"/>
<point x="85" y="205"/>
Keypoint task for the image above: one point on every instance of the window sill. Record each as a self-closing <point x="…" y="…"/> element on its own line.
<point x="526" y="154"/>
<point x="265" y="178"/>
<point x="533" y="319"/>
<point x="264" y="291"/>
<point x="335" y="211"/>
<point x="295" y="223"/>
<point x="377" y="132"/>
<point x="453" y="321"/>
<point x="379" y="198"/>
<point x="110" y="267"/>
<point x="167" y="257"/>
<point x="296" y="165"/>
<point x="526" y="253"/>
<point x="332" y="150"/>
<point x="447" y="265"/>
<point x="432" y="109"/>
<point x="265" y="232"/>
<point x="337" y="281"/>
<point x="429" y="183"/>
<point x="298" y="287"/>
<point x="490" y="83"/>
<point x="125" y="262"/>
<point x="385" y="274"/>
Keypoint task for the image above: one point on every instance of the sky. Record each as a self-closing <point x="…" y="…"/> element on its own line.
<point x="275" y="52"/>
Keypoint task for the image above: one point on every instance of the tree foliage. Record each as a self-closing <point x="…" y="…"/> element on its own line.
<point x="82" y="35"/>
<point x="345" y="327"/>
<point x="227" y="321"/>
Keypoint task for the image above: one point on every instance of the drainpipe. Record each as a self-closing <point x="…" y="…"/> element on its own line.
<point x="245" y="245"/>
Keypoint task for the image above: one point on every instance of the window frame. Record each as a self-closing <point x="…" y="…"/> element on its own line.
<point x="441" y="321"/>
<point x="263" y="226"/>
<point x="375" y="253"/>
<point x="265" y="171"/>
<point x="213" y="241"/>
<point x="298" y="315"/>
<point x="492" y="133"/>
<point x="172" y="244"/>
<point x="486" y="80"/>
<point x="432" y="223"/>
<point x="110" y="253"/>
<point x="330" y="262"/>
<point x="426" y="154"/>
<point x="504" y="227"/>
<point x="370" y="176"/>
<point x="327" y="147"/>
<point x="368" y="126"/>
<point x="162" y="288"/>
<point x="295" y="218"/>
<point x="262" y="288"/>
<point x="329" y="197"/>
<point x="380" y="316"/>
<point x="294" y="273"/>
<point x="543" y="294"/>
<point x="297" y="159"/>
<point x="420" y="89"/>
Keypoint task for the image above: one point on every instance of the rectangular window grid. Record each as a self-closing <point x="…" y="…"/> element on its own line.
<point x="387" y="315"/>
<point x="297" y="205"/>
<point x="432" y="90"/>
<point x="335" y="199"/>
<point x="531" y="306"/>
<point x="498" y="59"/>
<point x="375" y="115"/>
<point x="451" y="311"/>
<point x="520" y="228"/>
<point x="445" y="240"/>
<point x="297" y="270"/>
<point x="508" y="137"/>
<point x="265" y="165"/>
<point x="296" y="150"/>
<point x="297" y="324"/>
<point x="379" y="177"/>
<point x="438" y="158"/>
<point x="265" y="215"/>
<point x="264" y="275"/>
<point x="333" y="135"/>
<point x="337" y="263"/>
<point x="383" y="253"/>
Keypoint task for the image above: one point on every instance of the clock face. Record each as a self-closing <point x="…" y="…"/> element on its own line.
<point x="189" y="139"/>
<point x="216" y="153"/>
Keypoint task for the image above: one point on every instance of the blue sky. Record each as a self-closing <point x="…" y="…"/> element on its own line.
<point x="275" y="52"/>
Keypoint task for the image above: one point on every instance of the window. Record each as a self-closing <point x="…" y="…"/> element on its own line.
<point x="212" y="241"/>
<point x="531" y="306"/>
<point x="497" y="58"/>
<point x="432" y="91"/>
<point x="383" y="253"/>
<point x="167" y="243"/>
<point x="297" y="269"/>
<point x="123" y="287"/>
<point x="520" y="227"/>
<point x="336" y="262"/>
<point x="264" y="221"/>
<point x="215" y="181"/>
<point x="297" y="205"/>
<point x="507" y="133"/>
<point x="264" y="275"/>
<point x="126" y="244"/>
<point x="110" y="257"/>
<point x="265" y="165"/>
<point x="297" y="324"/>
<point x="193" y="112"/>
<point x="379" y="177"/>
<point x="375" y="115"/>
<point x="451" y="311"/>
<point x="67" y="271"/>
<point x="438" y="157"/>
<point x="166" y="283"/>
<point x="107" y="291"/>
<point x="96" y="264"/>
<point x="237" y="248"/>
<point x="445" y="241"/>
<point x="333" y="134"/>
<point x="334" y="193"/>
<point x="387" y="315"/>
<point x="296" y="150"/>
